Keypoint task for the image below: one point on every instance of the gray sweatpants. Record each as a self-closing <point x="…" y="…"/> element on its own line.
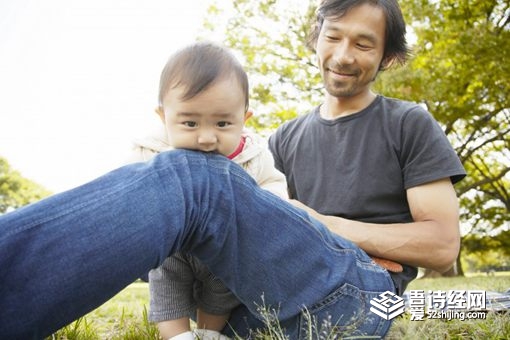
<point x="181" y="285"/>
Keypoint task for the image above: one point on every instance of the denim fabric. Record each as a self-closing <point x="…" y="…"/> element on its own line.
<point x="66" y="255"/>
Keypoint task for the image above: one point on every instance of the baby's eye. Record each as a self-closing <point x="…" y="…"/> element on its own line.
<point x="190" y="124"/>
<point x="223" y="124"/>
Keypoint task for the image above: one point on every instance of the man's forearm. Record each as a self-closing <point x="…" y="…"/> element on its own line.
<point x="420" y="244"/>
<point x="431" y="241"/>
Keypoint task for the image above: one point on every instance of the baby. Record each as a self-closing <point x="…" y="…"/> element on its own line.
<point x="203" y="104"/>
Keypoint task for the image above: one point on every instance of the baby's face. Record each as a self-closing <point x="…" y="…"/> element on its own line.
<point x="212" y="121"/>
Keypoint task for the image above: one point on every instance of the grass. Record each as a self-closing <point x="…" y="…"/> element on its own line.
<point x="125" y="316"/>
<point x="495" y="326"/>
<point x="122" y="317"/>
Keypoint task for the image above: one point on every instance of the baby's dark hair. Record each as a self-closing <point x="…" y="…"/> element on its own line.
<point x="199" y="65"/>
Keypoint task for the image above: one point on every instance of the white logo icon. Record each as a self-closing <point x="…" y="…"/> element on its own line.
<point x="387" y="305"/>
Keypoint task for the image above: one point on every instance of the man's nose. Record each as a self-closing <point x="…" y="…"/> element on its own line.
<point x="343" y="54"/>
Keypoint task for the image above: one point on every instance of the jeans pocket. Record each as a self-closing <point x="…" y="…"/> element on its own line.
<point x="345" y="313"/>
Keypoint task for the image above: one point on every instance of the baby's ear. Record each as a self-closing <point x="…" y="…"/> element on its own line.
<point x="248" y="115"/>
<point x="161" y="113"/>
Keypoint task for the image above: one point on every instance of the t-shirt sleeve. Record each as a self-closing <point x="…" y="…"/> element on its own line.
<point x="273" y="147"/>
<point x="426" y="153"/>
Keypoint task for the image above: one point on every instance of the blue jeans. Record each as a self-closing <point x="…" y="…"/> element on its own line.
<point x="64" y="256"/>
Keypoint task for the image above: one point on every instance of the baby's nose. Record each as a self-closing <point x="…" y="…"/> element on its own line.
<point x="207" y="138"/>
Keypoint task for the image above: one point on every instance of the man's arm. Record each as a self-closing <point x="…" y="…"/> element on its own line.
<point x="431" y="241"/>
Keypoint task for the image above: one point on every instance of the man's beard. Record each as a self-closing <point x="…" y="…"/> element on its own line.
<point x="339" y="89"/>
<point x="348" y="88"/>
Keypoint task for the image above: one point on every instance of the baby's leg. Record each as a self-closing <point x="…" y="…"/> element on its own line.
<point x="171" y="297"/>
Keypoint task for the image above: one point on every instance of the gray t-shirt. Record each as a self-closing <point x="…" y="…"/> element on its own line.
<point x="359" y="166"/>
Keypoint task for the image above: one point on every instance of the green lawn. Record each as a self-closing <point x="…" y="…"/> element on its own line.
<point x="125" y="316"/>
<point x="496" y="326"/>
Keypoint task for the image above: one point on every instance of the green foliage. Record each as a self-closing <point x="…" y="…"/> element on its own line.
<point x="487" y="261"/>
<point x="486" y="252"/>
<point x="16" y="191"/>
<point x="459" y="70"/>
<point x="480" y="243"/>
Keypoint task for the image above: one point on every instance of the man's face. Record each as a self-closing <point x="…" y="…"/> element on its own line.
<point x="350" y="50"/>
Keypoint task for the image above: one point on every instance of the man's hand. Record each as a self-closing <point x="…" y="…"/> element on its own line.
<point x="389" y="265"/>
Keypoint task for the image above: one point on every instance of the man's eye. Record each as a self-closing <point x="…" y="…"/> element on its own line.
<point x="364" y="47"/>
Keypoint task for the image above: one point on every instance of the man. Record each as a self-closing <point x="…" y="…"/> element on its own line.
<point x="376" y="171"/>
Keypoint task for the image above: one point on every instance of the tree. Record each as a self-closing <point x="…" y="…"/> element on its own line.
<point x="16" y="191"/>
<point x="457" y="70"/>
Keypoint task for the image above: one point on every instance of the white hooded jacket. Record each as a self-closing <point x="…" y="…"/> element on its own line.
<point x="255" y="158"/>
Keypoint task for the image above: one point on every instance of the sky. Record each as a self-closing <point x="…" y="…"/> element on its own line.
<point x="79" y="81"/>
